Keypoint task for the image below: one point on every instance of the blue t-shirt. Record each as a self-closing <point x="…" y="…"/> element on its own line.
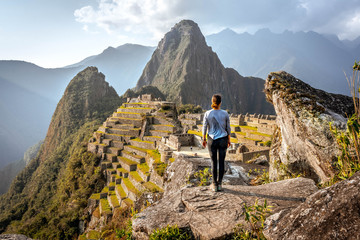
<point x="218" y="123"/>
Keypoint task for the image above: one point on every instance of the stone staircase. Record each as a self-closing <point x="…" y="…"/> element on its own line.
<point x="131" y="165"/>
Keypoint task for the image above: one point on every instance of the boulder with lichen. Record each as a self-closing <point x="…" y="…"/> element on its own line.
<point x="303" y="143"/>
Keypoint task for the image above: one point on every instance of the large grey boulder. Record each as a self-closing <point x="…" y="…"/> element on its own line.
<point x="303" y="143"/>
<point x="14" y="237"/>
<point x="331" y="213"/>
<point x="211" y="215"/>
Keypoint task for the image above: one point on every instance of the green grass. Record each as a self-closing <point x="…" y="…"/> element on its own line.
<point x="127" y="161"/>
<point x="139" y="140"/>
<point x="144" y="168"/>
<point x="129" y="113"/>
<point x="128" y="202"/>
<point x="155" y="155"/>
<point x="112" y="184"/>
<point x="152" y="187"/>
<point x="114" y="201"/>
<point x="121" y="191"/>
<point x="241" y="133"/>
<point x="135" y="103"/>
<point x="172" y="159"/>
<point x="93" y="234"/>
<point x="95" y="196"/>
<point x="105" y="190"/>
<point x="253" y="139"/>
<point x="164" y="131"/>
<point x="261" y="134"/>
<point x="133" y="155"/>
<point x="130" y="186"/>
<point x="195" y="132"/>
<point x="233" y="140"/>
<point x="105" y="206"/>
<point x="248" y="127"/>
<point x="135" y="175"/>
<point x="139" y="148"/>
<point x="160" y="168"/>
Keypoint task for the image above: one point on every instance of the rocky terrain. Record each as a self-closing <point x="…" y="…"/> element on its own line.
<point x="303" y="143"/>
<point x="186" y="70"/>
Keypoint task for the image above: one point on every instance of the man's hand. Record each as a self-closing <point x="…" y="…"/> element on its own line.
<point x="204" y="143"/>
<point x="229" y="142"/>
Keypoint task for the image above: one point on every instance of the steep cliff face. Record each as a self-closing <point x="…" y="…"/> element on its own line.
<point x="186" y="70"/>
<point x="46" y="200"/>
<point x="303" y="143"/>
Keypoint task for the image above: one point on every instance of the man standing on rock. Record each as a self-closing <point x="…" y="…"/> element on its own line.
<point x="218" y="123"/>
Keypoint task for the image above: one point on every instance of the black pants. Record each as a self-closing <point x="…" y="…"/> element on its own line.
<point x="217" y="147"/>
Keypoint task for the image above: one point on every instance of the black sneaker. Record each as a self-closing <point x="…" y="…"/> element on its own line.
<point x="219" y="188"/>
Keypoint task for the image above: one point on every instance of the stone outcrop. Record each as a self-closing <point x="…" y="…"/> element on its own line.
<point x="331" y="213"/>
<point x="212" y="215"/>
<point x="303" y="142"/>
<point x="186" y="70"/>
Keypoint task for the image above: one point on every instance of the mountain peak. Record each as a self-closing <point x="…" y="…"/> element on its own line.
<point x="186" y="70"/>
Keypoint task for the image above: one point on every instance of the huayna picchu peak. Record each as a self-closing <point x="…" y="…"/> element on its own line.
<point x="186" y="70"/>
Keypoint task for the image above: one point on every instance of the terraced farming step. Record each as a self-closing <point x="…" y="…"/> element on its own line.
<point x="127" y="164"/>
<point x="128" y="115"/>
<point x="118" y="137"/>
<point x="152" y="187"/>
<point x="140" y="110"/>
<point x="160" y="133"/>
<point x="120" y="193"/>
<point x="130" y="189"/>
<point x="137" y="181"/>
<point x="143" y="144"/>
<point x="113" y="201"/>
<point x="152" y="138"/>
<point x="144" y="171"/>
<point x="138" y="105"/>
<point x="162" y="127"/>
<point x="133" y="156"/>
<point x="122" y="172"/>
<point x="113" y="150"/>
<point x="122" y="120"/>
<point x="139" y="151"/>
<point x="131" y="132"/>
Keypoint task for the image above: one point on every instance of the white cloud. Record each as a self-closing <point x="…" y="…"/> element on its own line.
<point x="155" y="17"/>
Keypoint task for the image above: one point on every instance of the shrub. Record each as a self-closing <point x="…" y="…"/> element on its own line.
<point x="204" y="176"/>
<point x="169" y="233"/>
<point x="255" y="216"/>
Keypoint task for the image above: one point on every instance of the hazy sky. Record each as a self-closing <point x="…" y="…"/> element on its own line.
<point x="54" y="33"/>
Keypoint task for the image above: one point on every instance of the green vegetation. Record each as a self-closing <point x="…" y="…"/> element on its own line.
<point x="233" y="140"/>
<point x="130" y="186"/>
<point x="160" y="168"/>
<point x="126" y="161"/>
<point x="261" y="134"/>
<point x="248" y="127"/>
<point x="171" y="160"/>
<point x="262" y="178"/>
<point x="155" y="154"/>
<point x="139" y="140"/>
<point x="170" y="233"/>
<point x="144" y="168"/>
<point x="95" y="196"/>
<point x="189" y="108"/>
<point x="241" y="133"/>
<point x="255" y="216"/>
<point x="195" y="132"/>
<point x="203" y="176"/>
<point x="93" y="235"/>
<point x="136" y="176"/>
<point x="114" y="201"/>
<point x="105" y="206"/>
<point x="121" y="191"/>
<point x="348" y="162"/>
<point x="152" y="187"/>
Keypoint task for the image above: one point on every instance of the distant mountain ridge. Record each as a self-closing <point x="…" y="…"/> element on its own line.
<point x="319" y="60"/>
<point x="186" y="70"/>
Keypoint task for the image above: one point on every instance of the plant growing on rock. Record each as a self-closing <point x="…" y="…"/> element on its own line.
<point x="349" y="144"/>
<point x="255" y="216"/>
<point x="170" y="233"/>
<point x="204" y="176"/>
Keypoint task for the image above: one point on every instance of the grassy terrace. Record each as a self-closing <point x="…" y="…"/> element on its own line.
<point x="195" y="132"/>
<point x="105" y="190"/>
<point x="112" y="184"/>
<point x="138" y="148"/>
<point x="135" y="103"/>
<point x="160" y="168"/>
<point x="127" y="161"/>
<point x="120" y="135"/>
<point x="136" y="176"/>
<point x="93" y="235"/>
<point x="139" y="140"/>
<point x="114" y="201"/>
<point x="105" y="206"/>
<point x="152" y="187"/>
<point x="253" y="139"/>
<point x="164" y="131"/>
<point x="121" y="191"/>
<point x="171" y="159"/>
<point x="122" y="170"/>
<point x="155" y="155"/>
<point x="130" y="186"/>
<point x="261" y="134"/>
<point x="133" y="155"/>
<point x="144" y="168"/>
<point x="135" y="107"/>
<point x="241" y="133"/>
<point x="95" y="196"/>
<point x="132" y="119"/>
<point x="130" y="113"/>
<point x="233" y="140"/>
<point x="129" y="202"/>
